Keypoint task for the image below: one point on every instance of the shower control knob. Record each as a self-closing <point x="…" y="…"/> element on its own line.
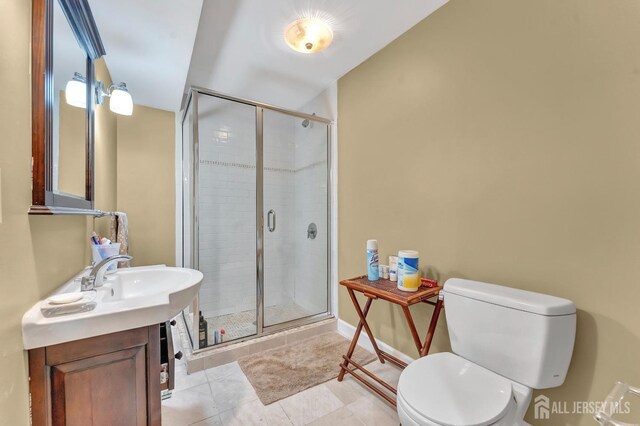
<point x="178" y="355"/>
<point x="312" y="231"/>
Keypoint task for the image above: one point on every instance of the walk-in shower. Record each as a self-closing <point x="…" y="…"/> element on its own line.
<point x="256" y="217"/>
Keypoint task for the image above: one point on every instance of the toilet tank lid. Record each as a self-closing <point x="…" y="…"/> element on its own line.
<point x="541" y="304"/>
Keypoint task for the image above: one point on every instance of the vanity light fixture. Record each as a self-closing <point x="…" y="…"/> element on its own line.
<point x="308" y="35"/>
<point x="121" y="101"/>
<point x="75" y="91"/>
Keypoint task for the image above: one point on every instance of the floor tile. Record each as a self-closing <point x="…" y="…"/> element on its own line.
<point x="188" y="406"/>
<point x="180" y="369"/>
<point x="373" y="411"/>
<point x="204" y="389"/>
<point x="387" y="372"/>
<point x="230" y="388"/>
<point x="311" y="404"/>
<point x="341" y="417"/>
<point x="223" y="396"/>
<point x="186" y="381"/>
<point x="222" y="371"/>
<point x="348" y="390"/>
<point x="210" y="421"/>
<point x="254" y="413"/>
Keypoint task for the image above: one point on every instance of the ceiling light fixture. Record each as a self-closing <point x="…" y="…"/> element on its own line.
<point x="308" y="35"/>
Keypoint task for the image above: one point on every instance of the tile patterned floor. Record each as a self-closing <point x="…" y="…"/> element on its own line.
<point x="223" y="396"/>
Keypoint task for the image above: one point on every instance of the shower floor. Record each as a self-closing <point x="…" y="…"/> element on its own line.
<point x="243" y="324"/>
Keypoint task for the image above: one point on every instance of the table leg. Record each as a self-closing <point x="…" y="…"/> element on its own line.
<point x="432" y="327"/>
<point x="363" y="320"/>
<point x="412" y="327"/>
<point x="354" y="341"/>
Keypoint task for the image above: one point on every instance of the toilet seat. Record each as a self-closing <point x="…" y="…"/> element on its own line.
<point x="445" y="389"/>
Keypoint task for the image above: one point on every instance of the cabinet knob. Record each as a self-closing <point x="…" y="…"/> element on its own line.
<point x="172" y="322"/>
<point x="178" y="355"/>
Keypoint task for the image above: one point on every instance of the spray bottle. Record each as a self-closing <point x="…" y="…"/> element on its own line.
<point x="372" y="260"/>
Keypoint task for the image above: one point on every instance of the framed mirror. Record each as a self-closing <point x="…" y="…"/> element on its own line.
<point x="65" y="45"/>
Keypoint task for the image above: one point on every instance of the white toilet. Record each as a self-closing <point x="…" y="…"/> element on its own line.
<point x="505" y="343"/>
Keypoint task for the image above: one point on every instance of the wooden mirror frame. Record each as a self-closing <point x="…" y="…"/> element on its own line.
<point x="78" y="14"/>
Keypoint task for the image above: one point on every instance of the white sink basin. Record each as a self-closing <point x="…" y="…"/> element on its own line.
<point x="130" y="298"/>
<point x="135" y="283"/>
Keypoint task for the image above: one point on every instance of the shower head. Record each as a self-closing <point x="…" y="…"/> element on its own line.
<point x="306" y="122"/>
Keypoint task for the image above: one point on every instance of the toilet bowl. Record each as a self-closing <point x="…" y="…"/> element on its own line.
<point x="506" y="342"/>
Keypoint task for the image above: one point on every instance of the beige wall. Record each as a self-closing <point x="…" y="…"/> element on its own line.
<point x="37" y="254"/>
<point x="106" y="149"/>
<point x="146" y="183"/>
<point x="500" y="139"/>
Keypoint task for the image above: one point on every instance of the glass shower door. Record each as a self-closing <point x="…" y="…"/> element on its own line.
<point x="226" y="218"/>
<point x="255" y="217"/>
<point x="295" y="209"/>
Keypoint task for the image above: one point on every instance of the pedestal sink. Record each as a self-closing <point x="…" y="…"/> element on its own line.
<point x="130" y="298"/>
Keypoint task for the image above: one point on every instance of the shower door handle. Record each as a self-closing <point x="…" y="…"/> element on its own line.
<point x="271" y="220"/>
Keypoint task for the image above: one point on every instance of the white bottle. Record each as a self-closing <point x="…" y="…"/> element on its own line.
<point x="393" y="268"/>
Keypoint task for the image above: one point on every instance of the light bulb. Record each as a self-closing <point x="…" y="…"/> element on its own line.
<point x="121" y="101"/>
<point x="75" y="93"/>
<point x="308" y="35"/>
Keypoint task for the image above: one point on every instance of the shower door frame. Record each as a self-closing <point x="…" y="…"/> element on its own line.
<point x="260" y="107"/>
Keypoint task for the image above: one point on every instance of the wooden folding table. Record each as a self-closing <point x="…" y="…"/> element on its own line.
<point x="387" y="290"/>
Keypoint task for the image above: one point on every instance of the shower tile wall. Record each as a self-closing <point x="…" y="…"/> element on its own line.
<point x="311" y="207"/>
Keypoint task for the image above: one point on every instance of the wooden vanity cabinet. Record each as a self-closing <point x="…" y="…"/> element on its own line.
<point x="112" y="379"/>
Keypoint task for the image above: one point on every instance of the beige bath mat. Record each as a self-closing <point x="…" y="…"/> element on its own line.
<point x="278" y="373"/>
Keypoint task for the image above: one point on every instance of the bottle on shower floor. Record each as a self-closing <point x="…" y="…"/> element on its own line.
<point x="202" y="332"/>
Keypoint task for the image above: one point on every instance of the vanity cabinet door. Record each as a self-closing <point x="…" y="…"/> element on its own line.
<point x="101" y="389"/>
<point x="105" y="380"/>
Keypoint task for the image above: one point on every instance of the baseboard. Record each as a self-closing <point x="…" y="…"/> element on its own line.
<point x="347" y="330"/>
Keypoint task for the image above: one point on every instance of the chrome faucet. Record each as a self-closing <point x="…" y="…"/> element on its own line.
<point x="96" y="276"/>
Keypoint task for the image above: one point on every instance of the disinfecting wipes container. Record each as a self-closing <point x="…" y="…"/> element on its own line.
<point x="408" y="274"/>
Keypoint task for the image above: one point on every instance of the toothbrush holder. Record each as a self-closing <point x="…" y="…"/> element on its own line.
<point x="101" y="252"/>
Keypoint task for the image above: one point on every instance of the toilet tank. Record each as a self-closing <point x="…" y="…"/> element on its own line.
<point x="524" y="336"/>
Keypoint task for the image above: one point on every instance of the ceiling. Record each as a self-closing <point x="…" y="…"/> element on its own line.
<point x="149" y="44"/>
<point x="160" y="47"/>
<point x="240" y="48"/>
